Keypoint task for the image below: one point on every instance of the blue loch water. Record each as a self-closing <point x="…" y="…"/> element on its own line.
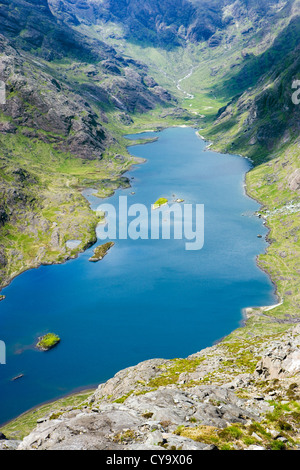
<point x="146" y="298"/>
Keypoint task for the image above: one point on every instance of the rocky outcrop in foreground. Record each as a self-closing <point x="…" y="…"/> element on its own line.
<point x="204" y="402"/>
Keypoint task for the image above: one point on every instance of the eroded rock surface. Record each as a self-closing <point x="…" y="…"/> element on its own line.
<point x="133" y="411"/>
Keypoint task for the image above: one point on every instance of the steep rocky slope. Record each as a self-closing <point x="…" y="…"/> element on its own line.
<point x="207" y="401"/>
<point x="262" y="117"/>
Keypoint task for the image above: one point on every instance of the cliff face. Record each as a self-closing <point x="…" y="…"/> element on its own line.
<point x="265" y="109"/>
<point x="39" y="106"/>
<point x="213" y="399"/>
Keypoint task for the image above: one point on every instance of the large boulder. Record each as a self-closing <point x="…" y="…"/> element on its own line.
<point x="281" y="359"/>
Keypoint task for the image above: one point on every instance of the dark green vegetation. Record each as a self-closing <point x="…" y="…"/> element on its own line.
<point x="101" y="251"/>
<point x="48" y="341"/>
<point x="75" y="88"/>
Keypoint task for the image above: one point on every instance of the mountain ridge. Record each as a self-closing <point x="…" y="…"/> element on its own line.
<point x="169" y="21"/>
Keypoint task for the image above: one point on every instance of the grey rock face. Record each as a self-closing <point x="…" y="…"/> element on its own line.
<point x="121" y="384"/>
<point x="119" y="426"/>
<point x="9" y="445"/>
<point x="294" y="180"/>
<point x="281" y="360"/>
<point x="126" y="413"/>
<point x="143" y="420"/>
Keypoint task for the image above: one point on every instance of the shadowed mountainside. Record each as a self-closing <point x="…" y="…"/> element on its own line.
<point x="169" y="23"/>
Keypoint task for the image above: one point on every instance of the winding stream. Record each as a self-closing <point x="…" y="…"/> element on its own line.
<point x="187" y="95"/>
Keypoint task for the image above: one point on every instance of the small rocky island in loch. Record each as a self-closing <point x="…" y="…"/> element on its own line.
<point x="47" y="342"/>
<point x="159" y="203"/>
<point x="101" y="251"/>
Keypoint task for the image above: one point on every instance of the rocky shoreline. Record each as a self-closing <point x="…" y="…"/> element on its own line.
<point x="181" y="405"/>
